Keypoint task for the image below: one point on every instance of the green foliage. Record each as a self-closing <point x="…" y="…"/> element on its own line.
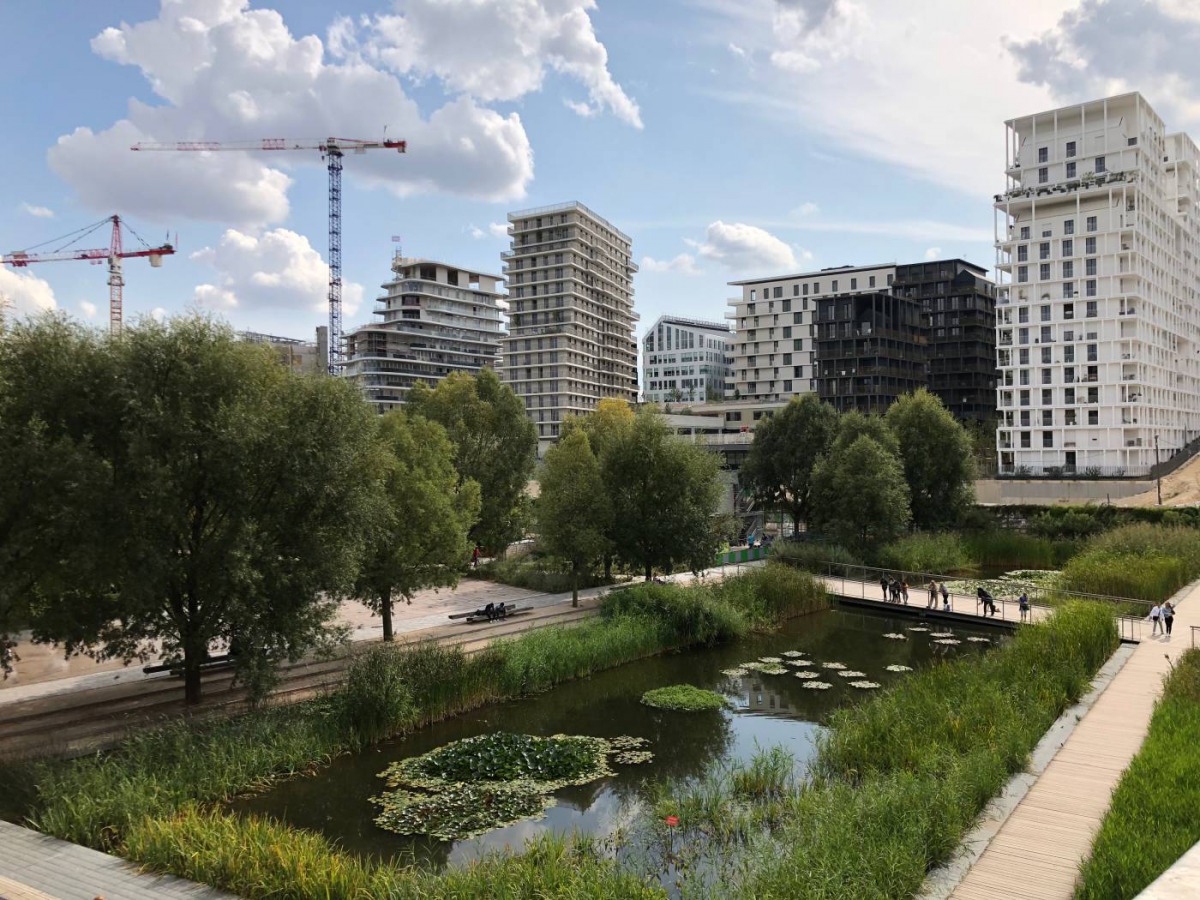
<point x="691" y="615"/>
<point x="812" y="556"/>
<point x="768" y="775"/>
<point x="664" y="494"/>
<point x="684" y="697"/>
<point x="214" y="495"/>
<point x="536" y="573"/>
<point x="422" y="540"/>
<point x="376" y="701"/>
<point x="936" y="453"/>
<point x="944" y="553"/>
<point x="1145" y="562"/>
<point x="495" y="446"/>
<point x="1003" y="548"/>
<point x="260" y="859"/>
<point x="459" y="811"/>
<point x="861" y="496"/>
<point x="769" y="595"/>
<point x="785" y="449"/>
<point x="574" y="510"/>
<point x="853" y="425"/>
<point x="1152" y="818"/>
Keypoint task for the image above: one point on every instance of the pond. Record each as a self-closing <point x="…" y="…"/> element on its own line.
<point x="765" y="711"/>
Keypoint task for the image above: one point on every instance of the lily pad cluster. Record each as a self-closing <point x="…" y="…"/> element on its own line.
<point x="469" y="787"/>
<point x="683" y="697"/>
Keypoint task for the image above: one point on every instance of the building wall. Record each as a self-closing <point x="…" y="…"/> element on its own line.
<point x="570" y="340"/>
<point x="434" y="319"/>
<point x="1098" y="329"/>
<point x="685" y="360"/>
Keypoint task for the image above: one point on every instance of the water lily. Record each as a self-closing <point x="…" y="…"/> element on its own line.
<point x="817" y="685"/>
<point x="807" y="675"/>
<point x="948" y="641"/>
<point x="917" y="628"/>
<point x="980" y="640"/>
<point x="899" y="668"/>
<point x="850" y="673"/>
<point x="793" y="653"/>
<point x="864" y="685"/>
<point x="800" y="662"/>
<point x="833" y="665"/>
<point x="892" y="636"/>
<point x="739" y="672"/>
<point x="773" y="669"/>
<point x="770" y="659"/>
<point x="942" y="634"/>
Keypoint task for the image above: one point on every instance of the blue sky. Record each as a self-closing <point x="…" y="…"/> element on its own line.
<point x="728" y="138"/>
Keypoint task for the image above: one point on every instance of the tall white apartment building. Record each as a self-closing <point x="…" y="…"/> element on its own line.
<point x="1098" y="263"/>
<point x="434" y="319"/>
<point x="775" y="328"/>
<point x="570" y="340"/>
<point x="685" y="360"/>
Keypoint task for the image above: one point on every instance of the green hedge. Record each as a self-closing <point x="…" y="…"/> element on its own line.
<point x="1154" y="816"/>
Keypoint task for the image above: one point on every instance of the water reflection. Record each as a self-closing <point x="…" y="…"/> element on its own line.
<point x="766" y="710"/>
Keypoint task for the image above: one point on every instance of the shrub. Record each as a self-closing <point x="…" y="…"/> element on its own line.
<point x="691" y="615"/>
<point x="375" y="701"/>
<point x="536" y="574"/>
<point x="944" y="553"/>
<point x="1152" y="818"/>
<point x="771" y="594"/>
<point x="684" y="697"/>
<point x="812" y="556"/>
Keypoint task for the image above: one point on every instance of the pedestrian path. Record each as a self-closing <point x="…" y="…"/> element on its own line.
<point x="1037" y="851"/>
<point x="36" y="867"/>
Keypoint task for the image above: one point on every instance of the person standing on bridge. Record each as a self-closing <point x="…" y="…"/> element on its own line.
<point x="1155" y="619"/>
<point x="1023" y="606"/>
<point x="945" y="596"/>
<point x="883" y="585"/>
<point x="932" y="594"/>
<point x="904" y="591"/>
<point x="1167" y="613"/>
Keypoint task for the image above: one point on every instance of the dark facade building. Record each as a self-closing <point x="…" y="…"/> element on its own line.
<point x="870" y="349"/>
<point x="958" y="309"/>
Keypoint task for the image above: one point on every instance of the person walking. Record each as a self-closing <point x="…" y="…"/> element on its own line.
<point x="945" y="596"/>
<point x="932" y="594"/>
<point x="475" y="557"/>
<point x="1023" y="606"/>
<point x="1167" y="614"/>
<point x="883" y="585"/>
<point x="1155" y="619"/>
<point x="904" y="591"/>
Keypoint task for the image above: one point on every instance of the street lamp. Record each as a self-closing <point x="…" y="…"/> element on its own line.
<point x="1157" y="471"/>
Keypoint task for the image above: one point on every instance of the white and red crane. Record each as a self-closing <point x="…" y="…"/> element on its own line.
<point x="113" y="254"/>
<point x="332" y="150"/>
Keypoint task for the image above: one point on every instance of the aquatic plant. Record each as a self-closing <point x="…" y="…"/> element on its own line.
<point x="835" y="666"/>
<point x="917" y="628"/>
<point x="793" y="653"/>
<point x="684" y="697"/>
<point x="738" y="672"/>
<point x="975" y="639"/>
<point x="773" y="669"/>
<point x="770" y="659"/>
<point x="899" y="668"/>
<point x="800" y="662"/>
<point x="460" y="811"/>
<point x="864" y="685"/>
<point x="893" y="636"/>
<point x="817" y="685"/>
<point x="948" y="641"/>
<point x="807" y="675"/>
<point x="851" y="673"/>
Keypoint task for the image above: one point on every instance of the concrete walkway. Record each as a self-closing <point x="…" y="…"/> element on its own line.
<point x="37" y="867"/>
<point x="1037" y="852"/>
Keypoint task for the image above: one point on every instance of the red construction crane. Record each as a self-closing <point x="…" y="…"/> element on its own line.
<point x="114" y="253"/>
<point x="332" y="150"/>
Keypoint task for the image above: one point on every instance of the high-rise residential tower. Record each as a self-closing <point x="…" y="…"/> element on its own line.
<point x="434" y="319"/>
<point x="685" y="360"/>
<point x="1098" y="327"/>
<point x="570" y="340"/>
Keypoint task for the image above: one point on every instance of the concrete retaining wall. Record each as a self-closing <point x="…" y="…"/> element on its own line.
<point x="1049" y="492"/>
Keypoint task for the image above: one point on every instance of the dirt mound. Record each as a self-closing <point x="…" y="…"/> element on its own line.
<point x="1180" y="488"/>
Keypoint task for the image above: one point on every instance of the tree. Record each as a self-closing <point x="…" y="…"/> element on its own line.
<point x="860" y="494"/>
<point x="937" y="456"/>
<point x="786" y="447"/>
<point x="574" y="511"/>
<point x="495" y="445"/>
<point x="216" y="497"/>
<point x="606" y="427"/>
<point x="422" y="539"/>
<point x="852" y="425"/>
<point x="665" y="493"/>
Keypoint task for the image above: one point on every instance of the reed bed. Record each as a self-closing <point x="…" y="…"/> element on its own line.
<point x="944" y="553"/>
<point x="1152" y="819"/>
<point x="812" y="556"/>
<point x="1144" y="562"/>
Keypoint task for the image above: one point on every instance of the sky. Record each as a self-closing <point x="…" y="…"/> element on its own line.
<point x="728" y="138"/>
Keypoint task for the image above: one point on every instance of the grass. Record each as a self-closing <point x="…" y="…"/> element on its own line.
<point x="1142" y="561"/>
<point x="534" y="574"/>
<point x="151" y="799"/>
<point x="1154" y="816"/>
<point x="1002" y="548"/>
<point x="812" y="556"/>
<point x="944" y="553"/>
<point x="684" y="697"/>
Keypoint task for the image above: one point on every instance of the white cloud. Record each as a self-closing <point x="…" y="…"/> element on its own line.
<point x="806" y="209"/>
<point x="581" y="109"/>
<point x="226" y="72"/>
<point x="523" y="39"/>
<point x="158" y="314"/>
<point x="744" y="248"/>
<point x="495" y="230"/>
<point x="24" y="294"/>
<point x="278" y="270"/>
<point x="736" y="50"/>
<point x="684" y="264"/>
<point x="853" y="71"/>
<point x="88" y="309"/>
<point x="40" y="212"/>
<point x="933" y="252"/>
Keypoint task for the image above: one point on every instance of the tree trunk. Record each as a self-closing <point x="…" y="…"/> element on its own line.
<point x="649" y="571"/>
<point x="385" y="610"/>
<point x="191" y="678"/>
<point x="575" y="584"/>
<point x="608" y="561"/>
<point x="195" y="650"/>
<point x="795" y="524"/>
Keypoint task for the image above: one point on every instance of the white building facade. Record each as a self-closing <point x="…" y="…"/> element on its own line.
<point x="685" y="360"/>
<point x="773" y="351"/>
<point x="570" y="340"/>
<point x="1098" y="265"/>
<point x="434" y="319"/>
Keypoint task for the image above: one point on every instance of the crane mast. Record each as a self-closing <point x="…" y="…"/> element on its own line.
<point x="332" y="151"/>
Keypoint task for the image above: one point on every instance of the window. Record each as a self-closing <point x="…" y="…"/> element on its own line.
<point x="1093" y="415"/>
<point x="1045" y="356"/>
<point x="795" y="290"/>
<point x="753" y="296"/>
<point x="1068" y="269"/>
<point x="889" y="281"/>
<point x="1043" y="176"/>
<point x="1047" y="438"/>
<point x="1068" y="310"/>
<point x="1068" y="248"/>
<point x="1070" y="170"/>
<point x="1024" y="232"/>
<point x="1091" y="309"/>
<point x="1023" y="253"/>
<point x="1043" y="154"/>
<point x="1093" y="397"/>
<point x="1023" y="356"/>
<point x="1045" y="313"/>
<point x="787" y="332"/>
<point x="797" y="318"/>
<point x="1069" y="395"/>
<point x="778" y="292"/>
<point x="1024" y="398"/>
<point x="1069" y="417"/>
<point x="1047" y="416"/>
<point x="1090" y="287"/>
<point x="1068" y="289"/>
<point x="1070" y="148"/>
<point x="1069" y="226"/>
<point x="1046" y="338"/>
<point x="787" y="306"/>
<point x="1092" y="352"/>
<point x="1047" y="377"/>
<point x="1068" y="354"/>
<point x="1091" y="223"/>
<point x="834" y="288"/>
<point x="1047" y="397"/>
<point x="871" y="282"/>
<point x="1100" y="165"/>
<point x="1024" y="440"/>
<point x="1023" y="335"/>
<point x="1090" y="267"/>
<point x="1023" y="314"/>
<point x="854" y="284"/>
<point x="1044" y="272"/>
<point x="816" y="287"/>
<point x="1022" y="273"/>
<point x="806" y="290"/>
<point x="1044" y="250"/>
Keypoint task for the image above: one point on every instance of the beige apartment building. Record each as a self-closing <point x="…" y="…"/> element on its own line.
<point x="570" y="340"/>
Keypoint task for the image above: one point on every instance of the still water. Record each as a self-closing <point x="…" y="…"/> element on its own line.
<point x="766" y="710"/>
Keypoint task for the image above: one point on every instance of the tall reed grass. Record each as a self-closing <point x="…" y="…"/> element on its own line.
<point x="942" y="553"/>
<point x="1006" y="549"/>
<point x="1145" y="562"/>
<point x="1152" y="819"/>
<point x="812" y="556"/>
